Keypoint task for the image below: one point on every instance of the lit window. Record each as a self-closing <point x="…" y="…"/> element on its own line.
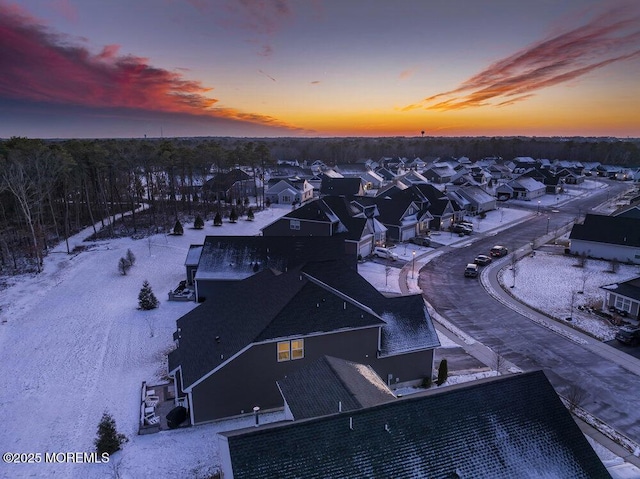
<point x="297" y="349"/>
<point x="283" y="351"/>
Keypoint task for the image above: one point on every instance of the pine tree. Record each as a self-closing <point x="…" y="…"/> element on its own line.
<point x="443" y="372"/>
<point x="233" y="216"/>
<point x="124" y="265"/>
<point x="217" y="221"/>
<point x="108" y="440"/>
<point x="198" y="223"/>
<point x="250" y="215"/>
<point x="130" y="257"/>
<point x="146" y="299"/>
<point x="178" y="229"/>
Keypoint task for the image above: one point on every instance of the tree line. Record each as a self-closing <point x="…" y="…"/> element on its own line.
<point x="51" y="189"/>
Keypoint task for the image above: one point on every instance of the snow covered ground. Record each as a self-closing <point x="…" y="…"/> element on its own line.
<point x="74" y="345"/>
<point x="554" y="284"/>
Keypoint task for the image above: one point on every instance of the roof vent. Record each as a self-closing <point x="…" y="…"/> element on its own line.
<point x="339" y="406"/>
<point x="217" y="339"/>
<point x="386" y="428"/>
<point x="351" y="423"/>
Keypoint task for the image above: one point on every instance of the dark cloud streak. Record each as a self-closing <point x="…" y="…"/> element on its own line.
<point x="612" y="36"/>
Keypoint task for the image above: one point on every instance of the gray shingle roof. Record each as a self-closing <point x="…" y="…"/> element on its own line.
<point x="618" y="230"/>
<point x="330" y="384"/>
<point x="630" y="289"/>
<point x="509" y="427"/>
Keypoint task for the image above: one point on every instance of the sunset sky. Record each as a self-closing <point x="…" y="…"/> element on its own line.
<point x="319" y="68"/>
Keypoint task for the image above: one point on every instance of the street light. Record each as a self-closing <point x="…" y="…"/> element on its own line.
<point x="413" y="264"/>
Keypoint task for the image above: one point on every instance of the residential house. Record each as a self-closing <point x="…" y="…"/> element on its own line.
<point x="231" y="185"/>
<point x="191" y="262"/>
<point x="624" y="297"/>
<point x="404" y="214"/>
<point x="552" y="182"/>
<point x="231" y="352"/>
<point x="329" y="385"/>
<point x="500" y="428"/>
<point x="342" y="186"/>
<point x="521" y="188"/>
<point x="224" y="260"/>
<point x="334" y="216"/>
<point x="439" y="173"/>
<point x="474" y="199"/>
<point x="288" y="190"/>
<point x="607" y="237"/>
<point x="371" y="180"/>
<point x="411" y="177"/>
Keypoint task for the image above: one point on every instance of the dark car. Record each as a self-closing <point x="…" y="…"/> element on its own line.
<point x="471" y="271"/>
<point x="461" y="229"/>
<point x="482" y="260"/>
<point x="420" y="241"/>
<point x="628" y="335"/>
<point x="499" y="251"/>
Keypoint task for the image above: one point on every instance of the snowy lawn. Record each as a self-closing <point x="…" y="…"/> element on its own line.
<point x="74" y="345"/>
<point x="552" y="282"/>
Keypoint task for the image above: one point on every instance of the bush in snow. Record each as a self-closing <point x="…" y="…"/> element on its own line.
<point x="146" y="299"/>
<point x="250" y="215"/>
<point x="130" y="257"/>
<point x="443" y="372"/>
<point x="233" y="216"/>
<point x="178" y="229"/>
<point x="217" y="221"/>
<point x="198" y="223"/>
<point x="124" y="265"/>
<point x="108" y="440"/>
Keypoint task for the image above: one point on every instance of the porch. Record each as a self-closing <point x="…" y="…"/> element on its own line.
<point x="156" y="402"/>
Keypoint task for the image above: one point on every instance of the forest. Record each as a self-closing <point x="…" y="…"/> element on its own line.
<point x="51" y="189"/>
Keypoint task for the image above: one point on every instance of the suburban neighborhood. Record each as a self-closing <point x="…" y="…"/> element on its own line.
<point x="313" y="320"/>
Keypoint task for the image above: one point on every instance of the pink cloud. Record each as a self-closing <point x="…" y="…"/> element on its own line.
<point x="612" y="36"/>
<point x="39" y="65"/>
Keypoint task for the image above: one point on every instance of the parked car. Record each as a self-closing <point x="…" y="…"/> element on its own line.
<point x="386" y="253"/>
<point x="628" y="335"/>
<point x="461" y="229"/>
<point x="468" y="224"/>
<point x="499" y="251"/>
<point x="420" y="240"/>
<point x="471" y="271"/>
<point x="482" y="260"/>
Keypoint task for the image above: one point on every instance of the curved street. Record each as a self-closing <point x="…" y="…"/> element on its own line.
<point x="608" y="377"/>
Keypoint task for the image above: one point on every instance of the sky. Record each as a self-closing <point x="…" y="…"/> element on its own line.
<point x="319" y="68"/>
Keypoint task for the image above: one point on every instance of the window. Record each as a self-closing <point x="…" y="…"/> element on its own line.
<point x="297" y="349"/>
<point x="288" y="350"/>
<point x="286" y="199"/>
<point x="294" y="224"/>
<point x="623" y="304"/>
<point x="283" y="351"/>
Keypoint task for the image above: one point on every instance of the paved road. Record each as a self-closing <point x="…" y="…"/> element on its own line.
<point x="609" y="378"/>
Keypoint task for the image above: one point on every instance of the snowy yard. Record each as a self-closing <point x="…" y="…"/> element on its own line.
<point x="552" y="283"/>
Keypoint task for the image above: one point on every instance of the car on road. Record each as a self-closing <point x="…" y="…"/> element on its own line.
<point x="420" y="241"/>
<point x="385" y="253"/>
<point x="482" y="260"/>
<point x="628" y="335"/>
<point x="498" y="251"/>
<point x="471" y="271"/>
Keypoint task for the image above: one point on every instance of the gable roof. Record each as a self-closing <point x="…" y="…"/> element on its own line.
<point x="214" y="332"/>
<point x="505" y="427"/>
<point x="618" y="230"/>
<point x="630" y="289"/>
<point x="331" y="384"/>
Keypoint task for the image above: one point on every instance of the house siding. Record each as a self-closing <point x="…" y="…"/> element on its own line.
<point x="250" y="379"/>
<point x="624" y="254"/>
<point x="610" y="301"/>
<point x="282" y="227"/>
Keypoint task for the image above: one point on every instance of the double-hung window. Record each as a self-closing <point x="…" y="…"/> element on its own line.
<point x="288" y="350"/>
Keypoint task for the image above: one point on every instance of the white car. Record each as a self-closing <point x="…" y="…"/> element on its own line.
<point x="386" y="253"/>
